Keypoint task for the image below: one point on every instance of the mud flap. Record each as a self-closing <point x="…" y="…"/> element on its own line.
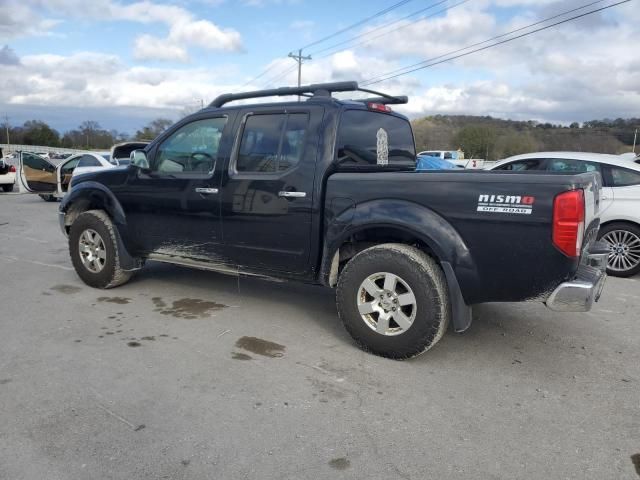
<point x="461" y="314"/>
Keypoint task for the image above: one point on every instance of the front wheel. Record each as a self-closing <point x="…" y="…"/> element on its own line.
<point x="94" y="250"/>
<point x="624" y="248"/>
<point x="393" y="300"/>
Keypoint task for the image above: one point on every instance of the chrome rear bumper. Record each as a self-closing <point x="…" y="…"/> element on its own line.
<point x="579" y="294"/>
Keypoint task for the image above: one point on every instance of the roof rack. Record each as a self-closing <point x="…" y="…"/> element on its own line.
<point x="314" y="90"/>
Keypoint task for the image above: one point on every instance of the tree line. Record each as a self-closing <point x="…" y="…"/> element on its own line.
<point x="494" y="139"/>
<point x="88" y="135"/>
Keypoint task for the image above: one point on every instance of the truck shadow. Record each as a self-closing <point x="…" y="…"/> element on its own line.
<point x="304" y="302"/>
<point x="503" y="333"/>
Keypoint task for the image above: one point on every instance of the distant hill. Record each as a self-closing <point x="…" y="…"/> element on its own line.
<point x="495" y="138"/>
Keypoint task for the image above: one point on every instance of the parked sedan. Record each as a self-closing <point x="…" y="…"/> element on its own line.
<point x="620" y="200"/>
<point x="7" y="175"/>
<point x="51" y="181"/>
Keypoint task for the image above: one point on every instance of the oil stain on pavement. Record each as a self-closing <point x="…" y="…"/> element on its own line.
<point x="116" y="300"/>
<point x="261" y="347"/>
<point x="66" y="289"/>
<point x="340" y="463"/>
<point x="240" y="356"/>
<point x="636" y="462"/>
<point x="189" y="308"/>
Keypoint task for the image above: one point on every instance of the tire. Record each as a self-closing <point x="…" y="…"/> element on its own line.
<point x="7" y="188"/>
<point x="416" y="273"/>
<point x="624" y="242"/>
<point x="104" y="272"/>
<point x="48" y="198"/>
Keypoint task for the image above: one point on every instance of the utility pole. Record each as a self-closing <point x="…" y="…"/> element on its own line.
<point x="635" y="136"/>
<point x="6" y="124"/>
<point x="299" y="58"/>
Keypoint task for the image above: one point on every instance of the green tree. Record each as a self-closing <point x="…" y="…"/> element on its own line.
<point x="36" y="132"/>
<point x="477" y="141"/>
<point x="153" y="129"/>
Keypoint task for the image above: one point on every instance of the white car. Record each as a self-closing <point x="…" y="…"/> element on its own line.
<point x="50" y="181"/>
<point x="7" y="175"/>
<point x="620" y="200"/>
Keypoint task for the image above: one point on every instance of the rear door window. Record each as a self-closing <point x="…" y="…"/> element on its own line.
<point x="372" y="138"/>
<point x="623" y="177"/>
<point x="271" y="143"/>
<point x="524" y="165"/>
<point x="571" y="166"/>
<point x="89" y="161"/>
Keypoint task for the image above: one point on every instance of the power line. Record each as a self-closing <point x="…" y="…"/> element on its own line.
<point x="363" y="34"/>
<point x="488" y="40"/>
<point x="316" y="42"/>
<point x="388" y="75"/>
<point x="279" y="76"/>
<point x="356" y="24"/>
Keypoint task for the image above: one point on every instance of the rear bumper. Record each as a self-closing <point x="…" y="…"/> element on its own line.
<point x="579" y="294"/>
<point x="8" y="179"/>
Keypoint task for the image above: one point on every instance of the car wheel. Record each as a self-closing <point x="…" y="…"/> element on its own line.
<point x="624" y="248"/>
<point x="47" y="197"/>
<point x="7" y="188"/>
<point x="393" y="300"/>
<point x="93" y="246"/>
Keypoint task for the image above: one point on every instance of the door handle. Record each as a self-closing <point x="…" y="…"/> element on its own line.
<point x="292" y="194"/>
<point x="206" y="190"/>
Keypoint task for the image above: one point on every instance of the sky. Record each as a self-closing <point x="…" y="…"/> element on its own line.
<point x="123" y="63"/>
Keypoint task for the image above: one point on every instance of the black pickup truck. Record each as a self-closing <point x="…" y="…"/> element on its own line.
<point x="325" y="191"/>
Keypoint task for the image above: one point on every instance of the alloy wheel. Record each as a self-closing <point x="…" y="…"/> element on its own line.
<point x="624" y="250"/>
<point x="386" y="303"/>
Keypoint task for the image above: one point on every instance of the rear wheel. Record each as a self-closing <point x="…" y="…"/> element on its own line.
<point x="624" y="248"/>
<point x="393" y="300"/>
<point x="7" y="188"/>
<point x="93" y="246"/>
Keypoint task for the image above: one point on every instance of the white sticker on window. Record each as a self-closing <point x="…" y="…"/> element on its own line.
<point x="382" y="150"/>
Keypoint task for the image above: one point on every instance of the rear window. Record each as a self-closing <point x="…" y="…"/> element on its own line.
<point x="370" y="138"/>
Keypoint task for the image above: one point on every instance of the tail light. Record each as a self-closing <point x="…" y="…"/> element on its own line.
<point x="379" y="107"/>
<point x="568" y="222"/>
<point x="12" y="169"/>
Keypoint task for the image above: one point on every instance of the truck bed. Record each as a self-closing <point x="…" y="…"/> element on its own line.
<point x="472" y="220"/>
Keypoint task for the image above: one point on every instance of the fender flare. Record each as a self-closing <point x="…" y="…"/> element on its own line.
<point x="420" y="222"/>
<point x="96" y="195"/>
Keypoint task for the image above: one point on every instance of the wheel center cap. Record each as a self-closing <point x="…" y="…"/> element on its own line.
<point x="388" y="300"/>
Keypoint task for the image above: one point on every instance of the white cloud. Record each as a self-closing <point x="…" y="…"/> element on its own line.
<point x="29" y="17"/>
<point x="148" y="47"/>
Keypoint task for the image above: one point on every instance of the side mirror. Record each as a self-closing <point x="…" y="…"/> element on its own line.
<point x="139" y="159"/>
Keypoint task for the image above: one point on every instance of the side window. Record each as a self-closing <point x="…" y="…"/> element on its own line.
<point x="70" y="165"/>
<point x="192" y="149"/>
<point x="293" y="141"/>
<point x="523" y="165"/>
<point x="36" y="162"/>
<point x="89" y="161"/>
<point x="572" y="166"/>
<point x="622" y="177"/>
<point x="271" y="143"/>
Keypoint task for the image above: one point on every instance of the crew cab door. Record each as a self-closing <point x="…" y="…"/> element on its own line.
<point x="37" y="175"/>
<point x="173" y="206"/>
<point x="267" y="190"/>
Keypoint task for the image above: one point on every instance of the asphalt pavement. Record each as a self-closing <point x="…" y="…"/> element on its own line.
<point x="184" y="374"/>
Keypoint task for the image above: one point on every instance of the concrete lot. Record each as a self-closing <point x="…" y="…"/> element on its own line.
<point x="170" y="377"/>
